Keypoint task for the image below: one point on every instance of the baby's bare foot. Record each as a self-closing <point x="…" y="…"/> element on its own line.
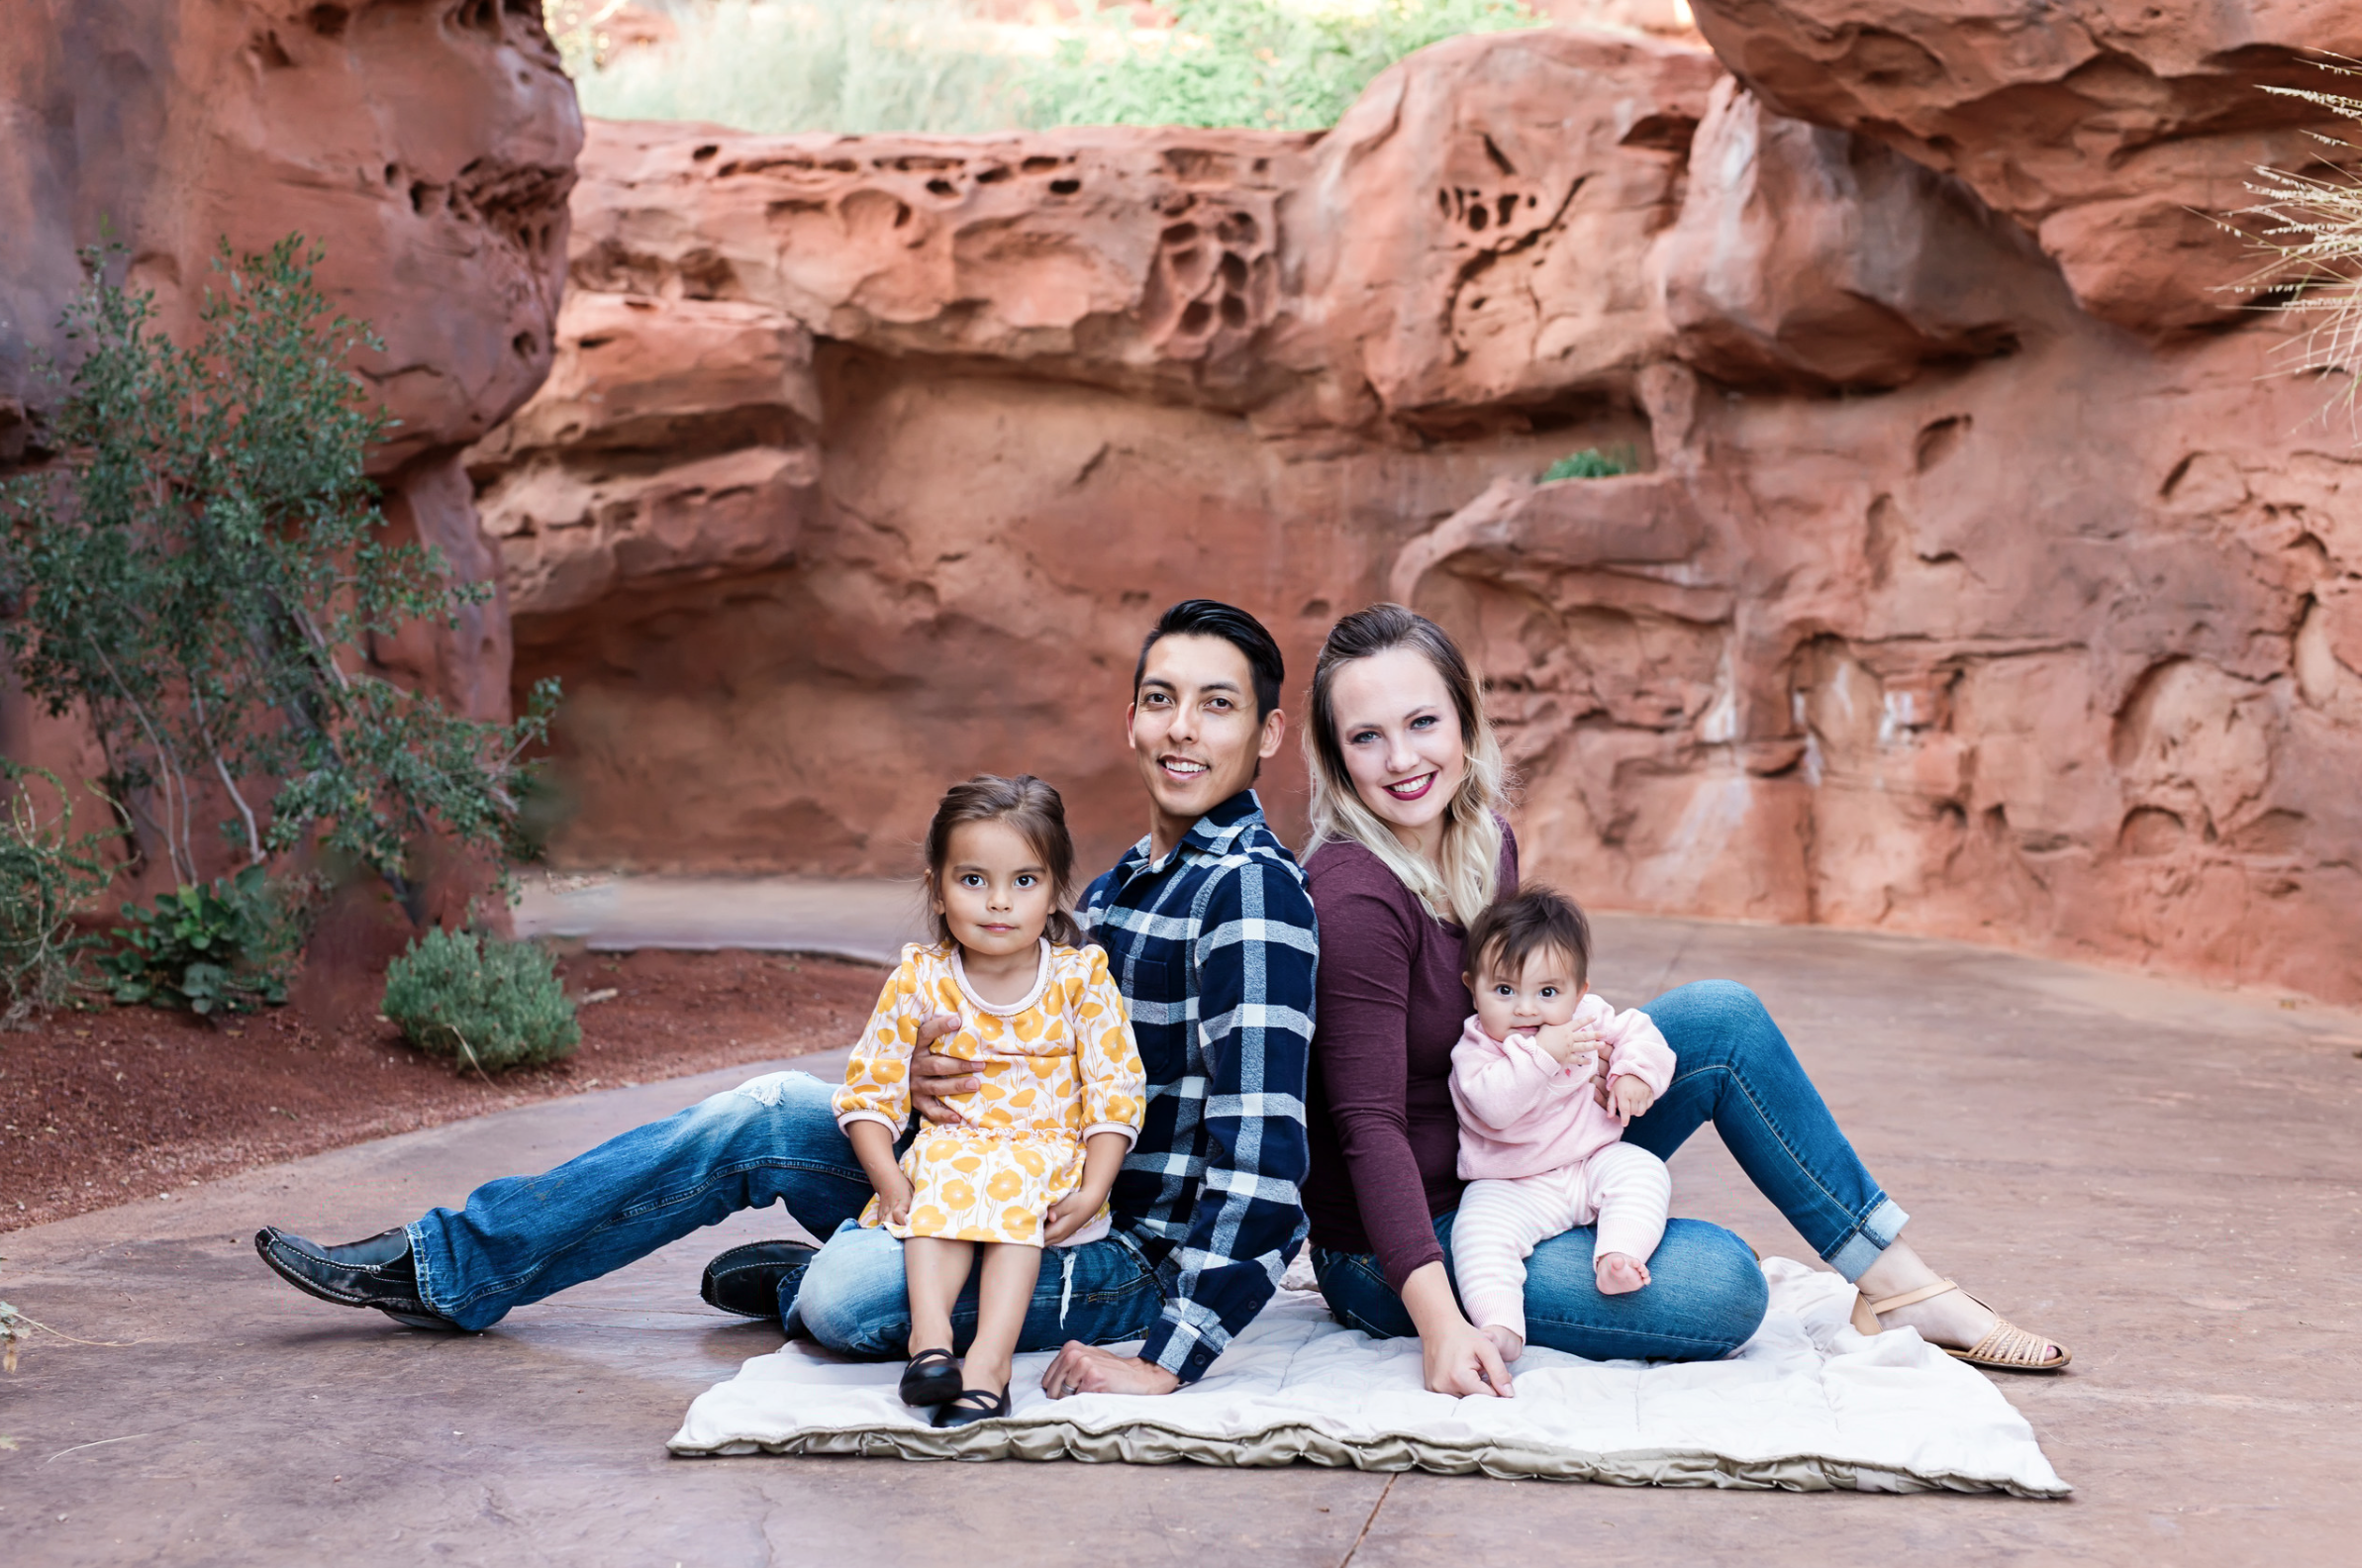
<point x="1508" y="1343"/>
<point x="1620" y="1273"/>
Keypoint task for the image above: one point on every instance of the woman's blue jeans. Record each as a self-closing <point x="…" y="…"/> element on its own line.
<point x="1734" y="1068"/>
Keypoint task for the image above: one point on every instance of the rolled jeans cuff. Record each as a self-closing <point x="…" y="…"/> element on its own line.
<point x="1870" y="1237"/>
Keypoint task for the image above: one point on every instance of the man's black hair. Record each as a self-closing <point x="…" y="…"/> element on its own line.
<point x="1212" y="618"/>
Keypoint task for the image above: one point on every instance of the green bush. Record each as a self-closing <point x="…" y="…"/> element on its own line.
<point x="1268" y="64"/>
<point x="858" y="66"/>
<point x="491" y="1004"/>
<point x="45" y="875"/>
<point x="203" y="569"/>
<point x="1592" y="463"/>
<point x="225" y="946"/>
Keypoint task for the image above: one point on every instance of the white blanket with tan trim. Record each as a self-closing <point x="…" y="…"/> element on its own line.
<point x="1807" y="1405"/>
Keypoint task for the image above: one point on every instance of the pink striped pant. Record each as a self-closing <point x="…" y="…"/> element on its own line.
<point x="1625" y="1190"/>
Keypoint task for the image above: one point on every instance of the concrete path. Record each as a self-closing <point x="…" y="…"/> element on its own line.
<point x="2168" y="1180"/>
<point x="864" y="919"/>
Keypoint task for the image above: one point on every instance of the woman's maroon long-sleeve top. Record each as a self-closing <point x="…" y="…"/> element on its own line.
<point x="1385" y="1141"/>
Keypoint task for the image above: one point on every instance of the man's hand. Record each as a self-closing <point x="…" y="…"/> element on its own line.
<point x="935" y="1078"/>
<point x="1084" y="1369"/>
<point x="1628" y="1097"/>
<point x="1069" y="1215"/>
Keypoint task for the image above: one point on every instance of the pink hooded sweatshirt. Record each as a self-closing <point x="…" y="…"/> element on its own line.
<point x="1521" y="1114"/>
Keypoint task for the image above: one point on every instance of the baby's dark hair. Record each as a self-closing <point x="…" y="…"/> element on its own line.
<point x="1513" y="929"/>
<point x="1025" y="804"/>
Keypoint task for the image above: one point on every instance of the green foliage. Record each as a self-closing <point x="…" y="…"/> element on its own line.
<point x="1272" y="64"/>
<point x="2310" y="220"/>
<point x="850" y="66"/>
<point x="226" y="946"/>
<point x="203" y="569"/>
<point x="1592" y="463"/>
<point x="491" y="1004"/>
<point x="856" y="66"/>
<point x="46" y="874"/>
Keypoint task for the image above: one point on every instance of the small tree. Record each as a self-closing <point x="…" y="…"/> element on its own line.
<point x="203" y="568"/>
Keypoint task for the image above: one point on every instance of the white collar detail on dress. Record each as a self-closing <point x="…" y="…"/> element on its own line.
<point x="959" y="972"/>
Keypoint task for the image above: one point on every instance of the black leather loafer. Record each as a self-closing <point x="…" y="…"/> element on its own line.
<point x="972" y="1405"/>
<point x="374" y="1273"/>
<point x="747" y="1280"/>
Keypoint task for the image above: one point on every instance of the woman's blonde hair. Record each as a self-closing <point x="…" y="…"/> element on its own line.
<point x="1469" y="873"/>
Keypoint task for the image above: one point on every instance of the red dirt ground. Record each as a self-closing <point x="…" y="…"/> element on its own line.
<point x="100" y="1108"/>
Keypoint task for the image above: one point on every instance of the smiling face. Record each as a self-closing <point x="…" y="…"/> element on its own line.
<point x="1194" y="731"/>
<point x="1544" y="991"/>
<point x="1400" y="734"/>
<point x="994" y="891"/>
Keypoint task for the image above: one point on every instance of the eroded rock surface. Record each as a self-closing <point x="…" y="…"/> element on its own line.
<point x="426" y="144"/>
<point x="1938" y="604"/>
<point x="2112" y="129"/>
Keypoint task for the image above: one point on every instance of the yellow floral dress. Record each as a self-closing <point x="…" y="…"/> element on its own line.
<point x="1058" y="1066"/>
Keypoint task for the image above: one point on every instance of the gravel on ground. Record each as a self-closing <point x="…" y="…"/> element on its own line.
<point x="102" y="1107"/>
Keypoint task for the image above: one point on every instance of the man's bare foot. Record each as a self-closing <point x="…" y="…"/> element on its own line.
<point x="1620" y="1273"/>
<point x="1508" y="1343"/>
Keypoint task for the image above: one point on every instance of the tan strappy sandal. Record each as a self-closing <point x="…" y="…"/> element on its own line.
<point x="2008" y="1348"/>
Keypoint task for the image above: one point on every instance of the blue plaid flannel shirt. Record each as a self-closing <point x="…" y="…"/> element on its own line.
<point x="1213" y="947"/>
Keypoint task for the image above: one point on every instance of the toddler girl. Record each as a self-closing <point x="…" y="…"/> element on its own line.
<point x="1539" y="1153"/>
<point x="1062" y="1100"/>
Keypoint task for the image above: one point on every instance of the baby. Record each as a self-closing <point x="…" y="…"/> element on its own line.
<point x="1539" y="1153"/>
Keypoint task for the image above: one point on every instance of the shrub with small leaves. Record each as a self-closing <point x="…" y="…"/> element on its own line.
<point x="1592" y="463"/>
<point x="47" y="873"/>
<point x="488" y="1003"/>
<point x="223" y="946"/>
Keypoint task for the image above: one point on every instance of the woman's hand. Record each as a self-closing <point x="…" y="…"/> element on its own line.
<point x="1603" y="1085"/>
<point x="1460" y="1358"/>
<point x="935" y="1078"/>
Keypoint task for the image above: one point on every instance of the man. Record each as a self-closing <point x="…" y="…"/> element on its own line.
<point x="1208" y="931"/>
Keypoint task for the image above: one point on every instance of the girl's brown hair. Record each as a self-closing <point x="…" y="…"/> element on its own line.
<point x="1025" y="804"/>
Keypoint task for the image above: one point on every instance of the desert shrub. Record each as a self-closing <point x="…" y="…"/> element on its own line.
<point x="850" y="66"/>
<point x="488" y="1002"/>
<point x="223" y="946"/>
<point x="856" y="66"/>
<point x="47" y="873"/>
<point x="2310" y="220"/>
<point x="1269" y="64"/>
<point x="1592" y="463"/>
<point x="202" y="571"/>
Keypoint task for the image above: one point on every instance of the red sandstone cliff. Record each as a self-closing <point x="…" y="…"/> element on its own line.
<point x="429" y="145"/>
<point x="1945" y="603"/>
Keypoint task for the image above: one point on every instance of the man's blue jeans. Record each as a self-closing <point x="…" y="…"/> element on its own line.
<point x="1734" y="1068"/>
<point x="772" y="1140"/>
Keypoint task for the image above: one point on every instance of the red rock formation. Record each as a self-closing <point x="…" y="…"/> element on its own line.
<point x="1941" y="605"/>
<point x="2110" y="128"/>
<point x="428" y="145"/>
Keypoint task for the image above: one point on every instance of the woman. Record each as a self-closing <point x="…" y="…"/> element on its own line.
<point x="1409" y="843"/>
